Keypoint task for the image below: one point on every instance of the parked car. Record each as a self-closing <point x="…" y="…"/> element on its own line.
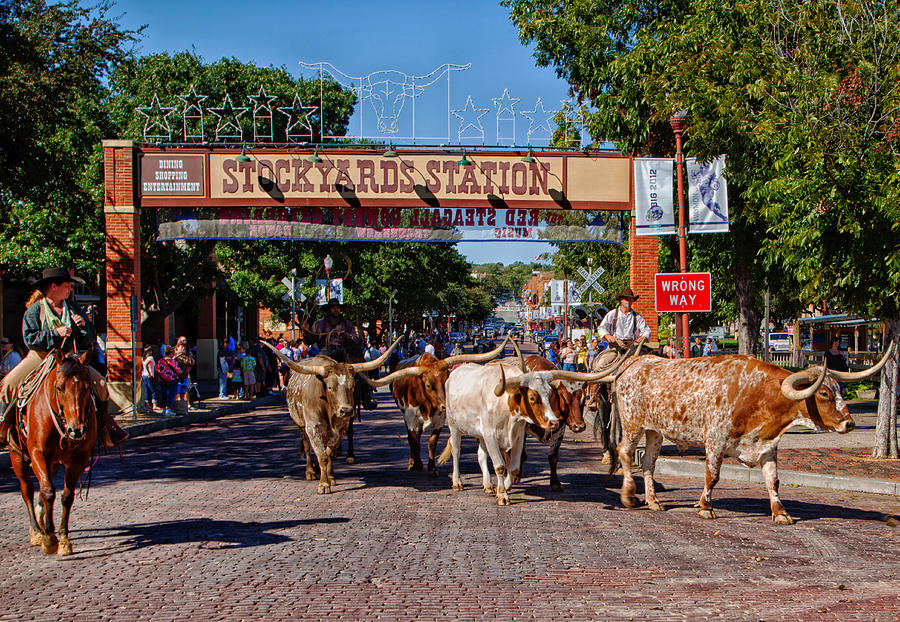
<point x="458" y="337"/>
<point x="780" y="342"/>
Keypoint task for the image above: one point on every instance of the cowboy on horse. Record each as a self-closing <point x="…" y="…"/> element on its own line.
<point x="53" y="322"/>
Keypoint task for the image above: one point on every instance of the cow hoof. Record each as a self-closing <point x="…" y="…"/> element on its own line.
<point x="323" y="489"/>
<point x="488" y="490"/>
<point x="65" y="547"/>
<point x="628" y="502"/>
<point x="433" y="472"/>
<point x="707" y="514"/>
<point x="311" y="476"/>
<point x="414" y="466"/>
<point x="783" y="519"/>
<point x="49" y="544"/>
<point x="35" y="536"/>
<point x="556" y="487"/>
<point x="656" y="506"/>
<point x="605" y="459"/>
<point x="503" y="499"/>
<point x="351" y="460"/>
<point x="331" y="481"/>
<point x="457" y="486"/>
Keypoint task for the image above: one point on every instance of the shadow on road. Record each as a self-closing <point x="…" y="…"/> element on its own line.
<point x="208" y="533"/>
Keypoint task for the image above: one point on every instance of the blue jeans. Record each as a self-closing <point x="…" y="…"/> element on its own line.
<point x="167" y="389"/>
<point x="223" y="385"/>
<point x="149" y="393"/>
<point x="569" y="366"/>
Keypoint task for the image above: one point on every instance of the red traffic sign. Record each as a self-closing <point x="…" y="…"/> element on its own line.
<point x="683" y="292"/>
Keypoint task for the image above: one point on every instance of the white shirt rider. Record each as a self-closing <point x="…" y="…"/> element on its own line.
<point x="623" y="323"/>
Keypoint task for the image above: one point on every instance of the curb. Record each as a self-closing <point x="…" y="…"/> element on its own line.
<point x="732" y="472"/>
<point x="177" y="421"/>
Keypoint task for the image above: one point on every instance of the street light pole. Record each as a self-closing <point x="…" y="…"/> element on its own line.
<point x="678" y="123"/>
<point x="293" y="304"/>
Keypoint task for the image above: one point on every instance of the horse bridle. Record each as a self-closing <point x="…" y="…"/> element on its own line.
<point x="56" y="416"/>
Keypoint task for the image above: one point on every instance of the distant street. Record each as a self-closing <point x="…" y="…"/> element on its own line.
<point x="216" y="522"/>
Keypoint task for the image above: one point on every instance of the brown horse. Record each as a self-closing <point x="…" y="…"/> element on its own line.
<point x="61" y="424"/>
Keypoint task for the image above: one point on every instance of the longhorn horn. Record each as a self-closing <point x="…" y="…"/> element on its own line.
<point x="317" y="370"/>
<point x="519" y="356"/>
<point x="580" y="376"/>
<point x="505" y="384"/>
<point x="475" y="358"/>
<point x="370" y="365"/>
<point x="851" y="376"/>
<point x="412" y="370"/>
<point x="789" y="385"/>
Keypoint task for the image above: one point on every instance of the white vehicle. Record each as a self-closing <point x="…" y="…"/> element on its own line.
<point x="780" y="342"/>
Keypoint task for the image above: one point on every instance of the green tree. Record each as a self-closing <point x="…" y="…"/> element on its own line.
<point x="634" y="62"/>
<point x="830" y="125"/>
<point x="54" y="61"/>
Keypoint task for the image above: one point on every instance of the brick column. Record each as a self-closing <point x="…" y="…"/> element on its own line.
<point x="123" y="266"/>
<point x="644" y="266"/>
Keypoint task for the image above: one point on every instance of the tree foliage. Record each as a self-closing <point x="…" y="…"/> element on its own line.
<point x="54" y="61"/>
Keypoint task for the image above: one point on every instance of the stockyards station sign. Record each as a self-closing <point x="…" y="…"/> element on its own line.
<point x="424" y="196"/>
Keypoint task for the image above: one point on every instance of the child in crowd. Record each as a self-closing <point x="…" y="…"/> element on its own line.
<point x="167" y="373"/>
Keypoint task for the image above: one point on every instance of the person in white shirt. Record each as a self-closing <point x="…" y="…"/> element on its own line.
<point x="623" y="325"/>
<point x="429" y="348"/>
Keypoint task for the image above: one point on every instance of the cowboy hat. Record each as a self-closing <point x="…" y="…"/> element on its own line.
<point x="627" y="293"/>
<point x="334" y="301"/>
<point x="57" y="275"/>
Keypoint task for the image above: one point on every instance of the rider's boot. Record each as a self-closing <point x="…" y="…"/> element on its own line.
<point x="110" y="432"/>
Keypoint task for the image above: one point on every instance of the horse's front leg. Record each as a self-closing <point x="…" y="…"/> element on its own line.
<point x="49" y="543"/>
<point x="27" y="487"/>
<point x="73" y="472"/>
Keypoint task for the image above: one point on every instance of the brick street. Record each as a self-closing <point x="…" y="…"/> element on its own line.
<point x="216" y="521"/>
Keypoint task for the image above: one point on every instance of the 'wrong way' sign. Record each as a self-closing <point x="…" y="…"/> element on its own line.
<point x="683" y="292"/>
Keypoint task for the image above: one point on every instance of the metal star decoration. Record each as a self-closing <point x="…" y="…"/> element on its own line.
<point x="156" y="120"/>
<point x="506" y="117"/>
<point x="192" y="115"/>
<point x="299" y="127"/>
<point x="229" y="126"/>
<point x="540" y="120"/>
<point x="505" y="103"/>
<point x="470" y="119"/>
<point x="262" y="116"/>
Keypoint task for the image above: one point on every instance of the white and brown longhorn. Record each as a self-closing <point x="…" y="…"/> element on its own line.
<point x="730" y="405"/>
<point x="320" y="401"/>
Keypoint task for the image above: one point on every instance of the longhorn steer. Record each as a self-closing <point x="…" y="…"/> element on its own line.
<point x="418" y="389"/>
<point x="566" y="405"/>
<point x="731" y="405"/>
<point x="320" y="401"/>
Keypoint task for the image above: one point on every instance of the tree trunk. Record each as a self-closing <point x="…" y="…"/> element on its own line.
<point x="886" y="426"/>
<point x="748" y="314"/>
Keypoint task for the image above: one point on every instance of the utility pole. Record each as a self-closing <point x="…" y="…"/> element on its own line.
<point x="678" y="123"/>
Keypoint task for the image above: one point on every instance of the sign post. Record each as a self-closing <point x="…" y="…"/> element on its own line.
<point x="293" y="293"/>
<point x="684" y="292"/>
<point x="590" y="285"/>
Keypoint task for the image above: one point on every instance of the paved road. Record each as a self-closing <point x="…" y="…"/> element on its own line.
<point x="216" y="522"/>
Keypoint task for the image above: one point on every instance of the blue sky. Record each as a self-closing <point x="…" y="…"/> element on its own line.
<point x="359" y="38"/>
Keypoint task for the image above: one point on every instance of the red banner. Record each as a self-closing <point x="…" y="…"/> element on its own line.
<point x="683" y="292"/>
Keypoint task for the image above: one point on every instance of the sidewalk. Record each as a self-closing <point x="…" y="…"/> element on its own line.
<point x="213" y="408"/>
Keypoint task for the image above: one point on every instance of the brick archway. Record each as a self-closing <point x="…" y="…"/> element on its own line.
<point x="585" y="181"/>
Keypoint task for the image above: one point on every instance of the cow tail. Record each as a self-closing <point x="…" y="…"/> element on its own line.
<point x="611" y="445"/>
<point x="445" y="455"/>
